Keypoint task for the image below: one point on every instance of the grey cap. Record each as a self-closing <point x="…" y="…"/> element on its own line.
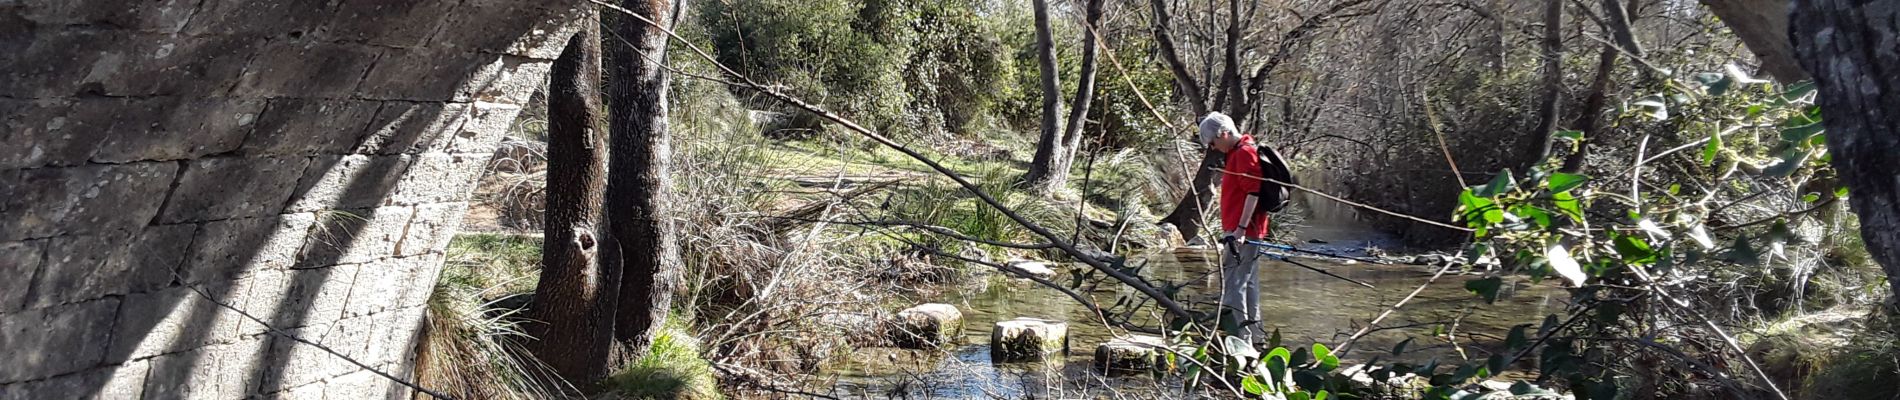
<point x="1213" y="124"/>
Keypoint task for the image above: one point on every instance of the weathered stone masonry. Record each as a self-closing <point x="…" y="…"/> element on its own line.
<point x="303" y="161"/>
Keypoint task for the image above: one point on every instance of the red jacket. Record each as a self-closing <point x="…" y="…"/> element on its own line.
<point x="1235" y="188"/>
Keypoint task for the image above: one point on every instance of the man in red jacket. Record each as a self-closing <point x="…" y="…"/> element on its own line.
<point x="1241" y="219"/>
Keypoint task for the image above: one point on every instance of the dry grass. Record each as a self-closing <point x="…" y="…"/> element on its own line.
<point x="471" y="348"/>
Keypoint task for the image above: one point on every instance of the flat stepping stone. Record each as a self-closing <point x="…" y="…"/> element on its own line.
<point x="1133" y="353"/>
<point x="1022" y="268"/>
<point x="1028" y="339"/>
<point x="926" y="326"/>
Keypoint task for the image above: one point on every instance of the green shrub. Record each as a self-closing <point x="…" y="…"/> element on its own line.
<point x="672" y="369"/>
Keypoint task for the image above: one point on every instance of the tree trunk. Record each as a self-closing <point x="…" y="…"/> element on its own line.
<point x="1187" y="213"/>
<point x="1084" y="98"/>
<point x="1617" y="19"/>
<point x="1848" y="47"/>
<point x="1763" y="27"/>
<point x="1497" y="46"/>
<point x="1185" y="84"/>
<point x="1588" y="119"/>
<point x="639" y="180"/>
<point x="1049" y="149"/>
<point x="1537" y="144"/>
<point x="574" y="299"/>
<point x="1231" y="99"/>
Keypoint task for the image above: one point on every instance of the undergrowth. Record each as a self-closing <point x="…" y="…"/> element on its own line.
<point x="471" y="348"/>
<point x="672" y="369"/>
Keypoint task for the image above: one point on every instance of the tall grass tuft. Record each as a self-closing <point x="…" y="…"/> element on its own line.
<point x="471" y="348"/>
<point x="672" y="369"/>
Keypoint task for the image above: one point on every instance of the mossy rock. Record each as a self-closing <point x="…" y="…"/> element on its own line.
<point x="926" y="326"/>
<point x="1133" y="353"/>
<point x="1028" y="339"/>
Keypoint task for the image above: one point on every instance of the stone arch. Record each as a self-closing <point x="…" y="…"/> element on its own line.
<point x="171" y="169"/>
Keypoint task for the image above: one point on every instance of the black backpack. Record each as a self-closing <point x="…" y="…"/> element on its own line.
<point x="1273" y="196"/>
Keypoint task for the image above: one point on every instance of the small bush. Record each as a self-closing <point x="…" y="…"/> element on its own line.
<point x="672" y="369"/>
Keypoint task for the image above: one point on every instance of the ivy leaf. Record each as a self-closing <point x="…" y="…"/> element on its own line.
<point x="1563" y="182"/>
<point x="1565" y="265"/>
<point x="1469" y="203"/>
<point x="1464" y="373"/>
<point x="1496" y="363"/>
<point x="1798" y="91"/>
<point x="1308" y="379"/>
<point x="1500" y="184"/>
<point x="1238" y="347"/>
<point x="1516" y="340"/>
<point x="1569" y="205"/>
<point x="1654" y="230"/>
<point x="1400" y="348"/>
<point x="1657" y="109"/>
<point x="1801" y="133"/>
<point x="1322" y="395"/>
<point x="1739" y="76"/>
<point x="1252" y="385"/>
<point x="1790" y="161"/>
<point x="1487" y="288"/>
<point x="1701" y="237"/>
<point x="1537" y="215"/>
<point x="1572" y="135"/>
<point x="1634" y="250"/>
<point x="1840" y="193"/>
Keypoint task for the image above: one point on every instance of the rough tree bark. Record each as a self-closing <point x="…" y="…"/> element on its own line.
<point x="574" y="299"/>
<point x="1187" y="213"/>
<point x="639" y="180"/>
<point x="1763" y="27"/>
<point x="1537" y="145"/>
<point x="1049" y="142"/>
<point x="1055" y="155"/>
<point x="1848" y="47"/>
<point x="1184" y="82"/>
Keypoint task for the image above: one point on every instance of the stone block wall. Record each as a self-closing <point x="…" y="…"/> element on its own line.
<point x="186" y="185"/>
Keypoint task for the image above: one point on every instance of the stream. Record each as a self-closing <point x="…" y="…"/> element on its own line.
<point x="1306" y="307"/>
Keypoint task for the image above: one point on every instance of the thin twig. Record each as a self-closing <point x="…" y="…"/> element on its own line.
<point x="1346" y="346"/>
<point x="1349" y="202"/>
<point x="1431" y="119"/>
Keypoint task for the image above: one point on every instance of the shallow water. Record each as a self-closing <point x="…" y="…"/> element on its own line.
<point x="1306" y="307"/>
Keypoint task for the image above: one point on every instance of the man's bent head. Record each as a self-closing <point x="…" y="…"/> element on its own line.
<point x="1218" y="132"/>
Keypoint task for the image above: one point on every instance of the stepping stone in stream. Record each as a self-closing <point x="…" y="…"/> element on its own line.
<point x="1028" y="339"/>
<point x="926" y="326"/>
<point x="1020" y="268"/>
<point x="1133" y="353"/>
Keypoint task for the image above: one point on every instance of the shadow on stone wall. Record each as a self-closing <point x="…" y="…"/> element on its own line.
<point x="304" y="163"/>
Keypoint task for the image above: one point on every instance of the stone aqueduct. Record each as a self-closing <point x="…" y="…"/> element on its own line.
<point x="179" y="178"/>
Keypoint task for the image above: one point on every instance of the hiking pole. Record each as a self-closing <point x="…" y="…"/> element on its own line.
<point x="1300" y="250"/>
<point x="1314" y="269"/>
